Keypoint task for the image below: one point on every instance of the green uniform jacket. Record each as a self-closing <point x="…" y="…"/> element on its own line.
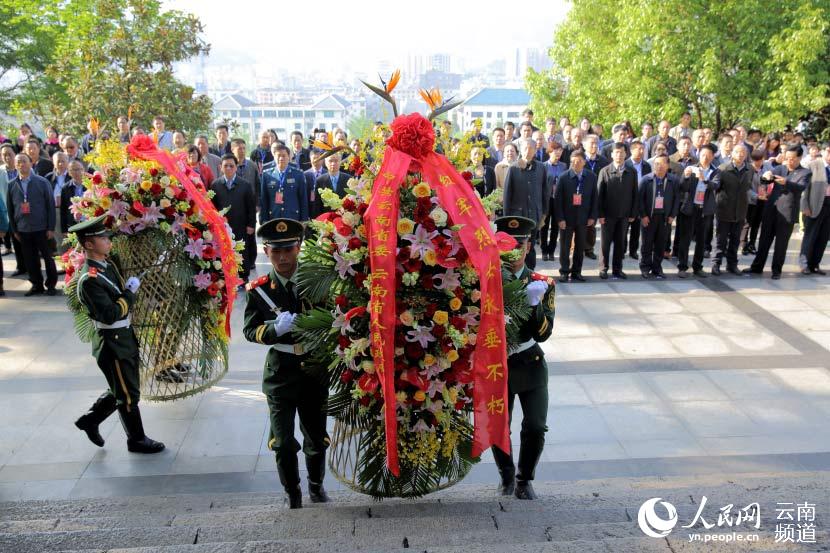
<point x="527" y="369"/>
<point x="101" y="290"/>
<point x="281" y="369"/>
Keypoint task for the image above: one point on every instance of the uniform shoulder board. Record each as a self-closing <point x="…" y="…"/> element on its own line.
<point x="92" y="272"/>
<point x="257" y="283"/>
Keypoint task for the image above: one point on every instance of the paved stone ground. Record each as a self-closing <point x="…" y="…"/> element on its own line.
<point x="647" y="380"/>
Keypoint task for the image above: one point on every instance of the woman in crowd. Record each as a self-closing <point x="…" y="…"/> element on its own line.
<point x="511" y="154"/>
<point x="484" y="174"/>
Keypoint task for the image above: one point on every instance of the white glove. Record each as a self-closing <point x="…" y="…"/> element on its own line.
<point x="535" y="292"/>
<point x="132" y="284"/>
<point x="284" y="322"/>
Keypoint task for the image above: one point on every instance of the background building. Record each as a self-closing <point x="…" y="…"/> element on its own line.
<point x="493" y="106"/>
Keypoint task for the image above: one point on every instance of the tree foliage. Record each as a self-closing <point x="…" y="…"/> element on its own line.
<point x="726" y="62"/>
<point x="103" y="58"/>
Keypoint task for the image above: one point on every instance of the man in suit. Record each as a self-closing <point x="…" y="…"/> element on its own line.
<point x="31" y="208"/>
<point x="815" y="205"/>
<point x="785" y="184"/>
<point x="617" y="207"/>
<point x="333" y="179"/>
<point x="732" y="201"/>
<point x="658" y="201"/>
<point x="41" y="165"/>
<point x="72" y="187"/>
<point x="284" y="193"/>
<point x="683" y="156"/>
<point x="642" y="168"/>
<point x="262" y="154"/>
<point x="311" y="174"/>
<point x="58" y="178"/>
<point x="661" y="136"/>
<point x="246" y="168"/>
<point x="574" y="144"/>
<point x="231" y="190"/>
<point x="550" y="230"/>
<point x="576" y="206"/>
<point x="618" y="135"/>
<point x="495" y="153"/>
<point x="526" y="190"/>
<point x="212" y="160"/>
<point x="541" y="146"/>
<point x="527" y="373"/>
<point x="300" y="156"/>
<point x="697" y="208"/>
<point x="594" y="162"/>
<point x="757" y="199"/>
<point x="222" y="145"/>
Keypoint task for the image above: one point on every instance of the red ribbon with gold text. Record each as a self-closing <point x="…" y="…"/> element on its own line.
<point x="458" y="199"/>
<point x="143" y="147"/>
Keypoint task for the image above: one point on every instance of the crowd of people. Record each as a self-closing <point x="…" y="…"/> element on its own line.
<point x="651" y="194"/>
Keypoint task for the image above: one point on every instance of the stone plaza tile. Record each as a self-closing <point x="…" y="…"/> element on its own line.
<point x="617" y="388"/>
<point x="810" y="382"/>
<point x="42" y="471"/>
<point x="700" y="345"/>
<point x="805" y="319"/>
<point x="584" y="288"/>
<point x="817" y="301"/>
<point x="224" y="401"/>
<point x="559" y="452"/>
<point x="13" y="437"/>
<point x="579" y="349"/>
<point x="567" y="425"/>
<point x="29" y="408"/>
<point x="748" y="383"/>
<point x="731" y="323"/>
<point x="566" y="390"/>
<point x="684" y="386"/>
<point x="622" y="326"/>
<point x="49" y="444"/>
<point x="715" y="419"/>
<point x="761" y="342"/>
<point x="171" y="432"/>
<point x="634" y="289"/>
<point x="760" y="445"/>
<point x="686" y="287"/>
<point x="677" y="323"/>
<point x="221" y="437"/>
<point x="705" y="304"/>
<point x="657" y="305"/>
<point x="642" y="421"/>
<point x="640" y="347"/>
<point x="601" y="308"/>
<point x="821" y="338"/>
<point x="792" y="416"/>
<point x="217" y="463"/>
<point x="777" y="302"/>
<point x="683" y="445"/>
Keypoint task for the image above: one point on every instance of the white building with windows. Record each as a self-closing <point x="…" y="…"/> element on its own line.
<point x="493" y="106"/>
<point x="327" y="112"/>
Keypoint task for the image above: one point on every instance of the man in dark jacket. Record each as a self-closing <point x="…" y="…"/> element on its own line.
<point x="732" y="202"/>
<point x="784" y="184"/>
<point x="617" y="208"/>
<point x="576" y="206"/>
<point x="232" y="191"/>
<point x="333" y="179"/>
<point x="658" y="200"/>
<point x="642" y="168"/>
<point x="594" y="162"/>
<point x="697" y="207"/>
<point x="300" y="157"/>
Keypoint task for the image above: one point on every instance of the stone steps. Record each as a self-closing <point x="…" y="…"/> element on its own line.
<point x="575" y="516"/>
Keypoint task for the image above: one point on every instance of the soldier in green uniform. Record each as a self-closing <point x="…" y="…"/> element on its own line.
<point x="526" y="367"/>
<point x="272" y="306"/>
<point x="107" y="298"/>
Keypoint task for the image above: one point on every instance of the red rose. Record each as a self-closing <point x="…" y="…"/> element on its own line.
<point x="359" y="279"/>
<point x="343" y="341"/>
<point x="400" y="340"/>
<point x="426" y="281"/>
<point x="154" y="172"/>
<point x="213" y="289"/>
<point x="99" y="211"/>
<point x="438" y="331"/>
<point x="342" y="301"/>
<point x="412" y="134"/>
<point x="412" y="265"/>
<point x="346" y="376"/>
<point x="355" y="243"/>
<point x="458" y="323"/>
<point x="414" y="351"/>
<point x="361" y="209"/>
<point x="365" y="401"/>
<point x="169" y="211"/>
<point x="97" y="178"/>
<point x="348" y="204"/>
<point x="182" y="194"/>
<point x="403" y="255"/>
<point x="356" y="166"/>
<point x="214" y="276"/>
<point x="467" y="176"/>
<point x="342" y="228"/>
<point x="208" y="252"/>
<point x="155" y="190"/>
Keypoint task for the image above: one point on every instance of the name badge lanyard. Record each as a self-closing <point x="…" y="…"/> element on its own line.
<point x="25" y="209"/>
<point x="658" y="200"/>
<point x="278" y="199"/>
<point x="577" y="198"/>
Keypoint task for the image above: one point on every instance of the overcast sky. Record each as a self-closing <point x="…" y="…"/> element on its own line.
<point x="302" y="35"/>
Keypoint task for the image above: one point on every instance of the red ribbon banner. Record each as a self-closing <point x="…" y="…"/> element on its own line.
<point x="143" y="147"/>
<point x="456" y="197"/>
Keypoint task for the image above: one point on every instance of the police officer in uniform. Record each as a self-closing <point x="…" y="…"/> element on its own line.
<point x="108" y="299"/>
<point x="526" y="367"/>
<point x="272" y="307"/>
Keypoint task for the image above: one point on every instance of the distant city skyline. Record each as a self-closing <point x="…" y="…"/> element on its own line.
<point x="358" y="41"/>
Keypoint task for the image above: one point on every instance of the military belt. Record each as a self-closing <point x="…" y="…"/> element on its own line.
<point x="295" y="349"/>
<point x="521" y="347"/>
<point x="123" y="323"/>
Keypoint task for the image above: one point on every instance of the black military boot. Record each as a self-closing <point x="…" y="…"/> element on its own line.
<point x="529" y="453"/>
<point x="507" y="472"/>
<point x="103" y="407"/>
<point x="289" y="473"/>
<point x="137" y="441"/>
<point x="316" y="466"/>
